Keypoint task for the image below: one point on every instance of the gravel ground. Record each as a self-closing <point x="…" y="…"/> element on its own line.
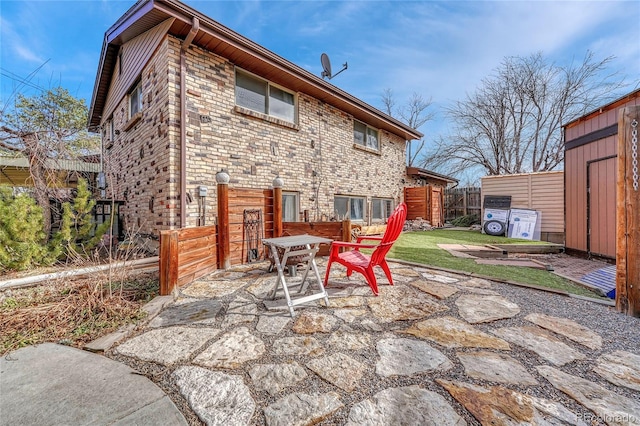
<point x="618" y="331"/>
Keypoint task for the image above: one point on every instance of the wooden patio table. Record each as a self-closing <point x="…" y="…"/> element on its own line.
<point x="305" y="248"/>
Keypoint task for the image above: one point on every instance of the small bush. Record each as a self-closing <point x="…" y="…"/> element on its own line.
<point x="468" y="220"/>
<point x="78" y="233"/>
<point x="22" y="237"/>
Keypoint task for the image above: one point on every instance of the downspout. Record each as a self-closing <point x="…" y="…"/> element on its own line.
<point x="195" y="26"/>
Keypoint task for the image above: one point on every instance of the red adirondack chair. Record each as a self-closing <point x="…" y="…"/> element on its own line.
<point x="355" y="260"/>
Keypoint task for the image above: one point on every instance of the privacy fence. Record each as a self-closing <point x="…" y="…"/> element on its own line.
<point x="460" y="202"/>
<point x="244" y="218"/>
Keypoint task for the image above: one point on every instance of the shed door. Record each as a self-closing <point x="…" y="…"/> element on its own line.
<point x="601" y="207"/>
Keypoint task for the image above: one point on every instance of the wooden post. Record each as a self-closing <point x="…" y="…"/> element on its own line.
<point x="628" y="213"/>
<point x="346" y="230"/>
<point x="224" y="258"/>
<point x="168" y="261"/>
<point x="277" y="206"/>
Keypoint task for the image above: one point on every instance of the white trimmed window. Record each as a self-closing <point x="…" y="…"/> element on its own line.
<point x="365" y="135"/>
<point x="349" y="207"/>
<point x="135" y="99"/>
<point x="290" y="209"/>
<point x="381" y="208"/>
<point x="261" y="96"/>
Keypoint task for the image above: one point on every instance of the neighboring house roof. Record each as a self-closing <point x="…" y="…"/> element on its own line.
<point x="419" y="173"/>
<point x="244" y="53"/>
<point x="611" y="105"/>
<point x="68" y="165"/>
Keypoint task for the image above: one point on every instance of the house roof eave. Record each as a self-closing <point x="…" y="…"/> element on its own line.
<point x="148" y="13"/>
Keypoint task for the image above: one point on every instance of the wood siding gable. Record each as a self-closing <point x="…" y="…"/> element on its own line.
<point x="135" y="54"/>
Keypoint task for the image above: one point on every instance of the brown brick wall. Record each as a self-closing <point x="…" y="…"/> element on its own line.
<point x="316" y="157"/>
<point x="143" y="157"/>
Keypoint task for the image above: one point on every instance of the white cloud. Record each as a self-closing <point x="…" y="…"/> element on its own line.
<point x="13" y="41"/>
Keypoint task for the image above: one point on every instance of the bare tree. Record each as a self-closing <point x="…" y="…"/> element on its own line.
<point x="414" y="113"/>
<point x="513" y="122"/>
<point x="45" y="129"/>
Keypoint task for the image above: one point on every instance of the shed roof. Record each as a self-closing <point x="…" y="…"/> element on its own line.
<point x="611" y="105"/>
<point x="215" y="37"/>
<point x="427" y="174"/>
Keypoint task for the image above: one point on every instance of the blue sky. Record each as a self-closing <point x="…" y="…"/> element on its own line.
<point x="440" y="50"/>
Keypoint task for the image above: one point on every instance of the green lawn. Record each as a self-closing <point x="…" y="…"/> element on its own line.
<point x="422" y="247"/>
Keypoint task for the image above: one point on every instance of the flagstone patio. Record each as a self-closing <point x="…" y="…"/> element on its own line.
<point x="435" y="349"/>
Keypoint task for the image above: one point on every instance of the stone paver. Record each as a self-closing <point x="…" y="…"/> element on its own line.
<point x="405" y="357"/>
<point x="494" y="367"/>
<point x="434" y="288"/>
<point x="309" y="322"/>
<point x="541" y="342"/>
<point x="497" y="405"/>
<point x="272" y="322"/>
<point x="273" y="378"/>
<point x="190" y="312"/>
<point x="347" y="339"/>
<point x="232" y="350"/>
<point x="454" y="333"/>
<point x="400" y="303"/>
<point x="240" y="311"/>
<point x="443" y="279"/>
<point x="303" y="345"/>
<point x="167" y="345"/>
<point x="338" y="369"/>
<point x="567" y="328"/>
<point x="620" y="368"/>
<point x="616" y="408"/>
<point x="300" y="409"/>
<point x="350" y="315"/>
<point x="217" y="398"/>
<point x="485" y="308"/>
<point x="348" y="301"/>
<point x="418" y="407"/>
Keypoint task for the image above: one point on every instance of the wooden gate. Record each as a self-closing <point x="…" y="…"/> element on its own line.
<point x="241" y="199"/>
<point x="425" y="202"/>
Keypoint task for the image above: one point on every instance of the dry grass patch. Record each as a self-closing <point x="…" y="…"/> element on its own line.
<point x="72" y="311"/>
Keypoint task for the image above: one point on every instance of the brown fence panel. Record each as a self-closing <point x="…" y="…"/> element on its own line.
<point x="418" y="202"/>
<point x="241" y="199"/>
<point x="337" y="231"/>
<point x="437" y="206"/>
<point x="460" y="202"/>
<point x="186" y="255"/>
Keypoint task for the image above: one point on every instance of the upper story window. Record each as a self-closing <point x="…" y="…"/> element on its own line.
<point x="135" y="99"/>
<point x="365" y="135"/>
<point x="349" y="207"/>
<point x="261" y="96"/>
<point x="381" y="208"/>
<point x="112" y="130"/>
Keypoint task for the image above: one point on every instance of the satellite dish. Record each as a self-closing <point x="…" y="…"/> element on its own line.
<point x="326" y="67"/>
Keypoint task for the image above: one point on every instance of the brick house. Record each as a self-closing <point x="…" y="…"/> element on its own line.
<point x="178" y="97"/>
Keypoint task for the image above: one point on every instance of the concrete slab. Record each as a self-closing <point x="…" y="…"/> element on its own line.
<point x="511" y="262"/>
<point x="483" y="251"/>
<point x="65" y="385"/>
